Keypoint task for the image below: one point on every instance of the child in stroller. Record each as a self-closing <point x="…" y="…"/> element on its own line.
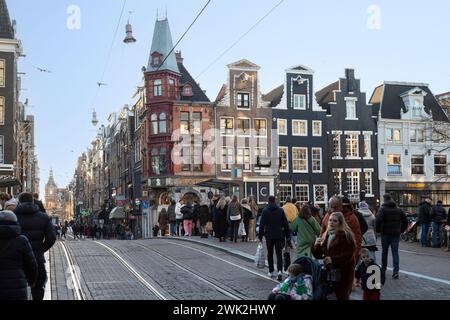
<point x="411" y="232"/>
<point x="298" y="286"/>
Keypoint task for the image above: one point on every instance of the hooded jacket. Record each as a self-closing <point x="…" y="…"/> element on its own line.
<point x="369" y="238"/>
<point x="38" y="229"/>
<point x="18" y="266"/>
<point x="273" y="224"/>
<point x="424" y="212"/>
<point x="391" y="220"/>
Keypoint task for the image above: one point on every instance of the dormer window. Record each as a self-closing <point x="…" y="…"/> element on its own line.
<point x="187" y="90"/>
<point x="414" y="102"/>
<point x="417" y="106"/>
<point x="156" y="59"/>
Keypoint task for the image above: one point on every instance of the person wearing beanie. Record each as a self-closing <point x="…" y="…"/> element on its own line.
<point x="18" y="267"/>
<point x="11" y="205"/>
<point x="369" y="239"/>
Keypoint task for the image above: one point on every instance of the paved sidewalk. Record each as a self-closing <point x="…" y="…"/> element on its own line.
<point x="408" y="287"/>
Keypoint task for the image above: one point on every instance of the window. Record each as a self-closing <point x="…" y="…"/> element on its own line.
<point x="226" y="126"/>
<point x="440" y="165"/>
<point x="243" y="100"/>
<point x="351" y="109"/>
<point x="243" y="158"/>
<point x="285" y="192"/>
<point x="393" y="135"/>
<point x="172" y="88"/>
<point x="367" y="145"/>
<point x="352" y="145"/>
<point x="320" y="194"/>
<point x="283" y="155"/>
<point x="197" y="123"/>
<point x="157" y="88"/>
<point x="156" y="60"/>
<point x="299" y="127"/>
<point x="353" y="183"/>
<point x="2" y="110"/>
<point x="184" y="123"/>
<point x="417" y="164"/>
<point x="197" y="157"/>
<point x="300" y="101"/>
<point x="317" y="160"/>
<point x="159" y="162"/>
<point x="394" y="164"/>
<point x="417" y="136"/>
<point x="227" y="158"/>
<point x="162" y="123"/>
<point x="416" y="107"/>
<point x="261" y="127"/>
<point x="317" y="128"/>
<point x="439" y="135"/>
<point x="368" y="182"/>
<point x="138" y="150"/>
<point x="300" y="160"/>
<point x="336" y="145"/>
<point x="186" y="158"/>
<point x="2" y="73"/>
<point x="261" y="153"/>
<point x="243" y="127"/>
<point x="154" y="120"/>
<point x="302" y="192"/>
<point x="337" y="178"/>
<point x="187" y="90"/>
<point x="282" y="127"/>
<point x="2" y="151"/>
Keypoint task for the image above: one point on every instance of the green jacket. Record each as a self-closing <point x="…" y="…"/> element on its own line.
<point x="307" y="231"/>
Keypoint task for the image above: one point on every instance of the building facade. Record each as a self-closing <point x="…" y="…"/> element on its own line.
<point x="51" y="193"/>
<point x="413" y="144"/>
<point x="302" y="146"/>
<point x="351" y="135"/>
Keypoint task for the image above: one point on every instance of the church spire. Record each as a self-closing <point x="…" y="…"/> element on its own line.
<point x="161" y="46"/>
<point x="6" y="28"/>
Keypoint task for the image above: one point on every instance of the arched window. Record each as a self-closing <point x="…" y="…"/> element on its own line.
<point x="154" y="120"/>
<point x="162" y="123"/>
<point x="155" y="161"/>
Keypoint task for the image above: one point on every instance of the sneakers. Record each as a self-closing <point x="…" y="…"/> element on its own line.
<point x="280" y="276"/>
<point x="395" y="276"/>
<point x="270" y="274"/>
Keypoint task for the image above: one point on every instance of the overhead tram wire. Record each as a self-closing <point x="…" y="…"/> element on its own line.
<point x="240" y="38"/>
<point x="184" y="34"/>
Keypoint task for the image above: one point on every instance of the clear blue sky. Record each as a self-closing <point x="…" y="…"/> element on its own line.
<point x="328" y="36"/>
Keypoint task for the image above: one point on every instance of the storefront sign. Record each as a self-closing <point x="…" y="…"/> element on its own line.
<point x="416" y="185"/>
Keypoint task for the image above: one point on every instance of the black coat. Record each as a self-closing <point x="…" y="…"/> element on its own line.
<point x="18" y="266"/>
<point x="188" y="213"/>
<point x="391" y="220"/>
<point x="37" y="227"/>
<point x="424" y="212"/>
<point x="273" y="224"/>
<point x="438" y="214"/>
<point x="171" y="213"/>
<point x="40" y="205"/>
<point x="203" y="215"/>
<point x="221" y="222"/>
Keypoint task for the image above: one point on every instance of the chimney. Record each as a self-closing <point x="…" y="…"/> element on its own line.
<point x="350" y="74"/>
<point x="351" y="83"/>
<point x="179" y="57"/>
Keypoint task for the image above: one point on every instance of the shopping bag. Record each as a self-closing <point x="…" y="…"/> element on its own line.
<point x="209" y="227"/>
<point x="241" y="229"/>
<point x="260" y="258"/>
<point x="244" y="233"/>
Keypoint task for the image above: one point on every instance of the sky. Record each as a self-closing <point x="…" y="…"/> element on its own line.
<point x="402" y="40"/>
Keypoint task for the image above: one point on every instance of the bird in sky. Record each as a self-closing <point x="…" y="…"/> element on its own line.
<point x="43" y="70"/>
<point x="100" y="84"/>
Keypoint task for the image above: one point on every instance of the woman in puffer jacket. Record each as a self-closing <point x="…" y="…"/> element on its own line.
<point x="369" y="239"/>
<point x="18" y="267"/>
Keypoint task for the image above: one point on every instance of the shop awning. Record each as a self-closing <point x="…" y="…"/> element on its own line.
<point x="9" y="181"/>
<point x="117" y="213"/>
<point x="218" y="184"/>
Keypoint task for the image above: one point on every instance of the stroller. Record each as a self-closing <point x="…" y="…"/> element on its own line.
<point x="314" y="268"/>
<point x="411" y="232"/>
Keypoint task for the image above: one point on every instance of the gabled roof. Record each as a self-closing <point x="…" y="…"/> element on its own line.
<point x="275" y="96"/>
<point x="244" y="64"/>
<point x="162" y="43"/>
<point x="300" y="69"/>
<point x="6" y="29"/>
<point x="186" y="78"/>
<point x="443" y="95"/>
<point x="326" y="94"/>
<point x="222" y="93"/>
<point x="388" y="97"/>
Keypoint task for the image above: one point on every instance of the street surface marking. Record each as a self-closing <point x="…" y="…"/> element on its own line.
<point x="75" y="280"/>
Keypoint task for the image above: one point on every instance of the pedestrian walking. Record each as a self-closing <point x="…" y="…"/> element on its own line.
<point x="221" y="222"/>
<point x="424" y="220"/>
<point x="195" y="224"/>
<point x="94" y="232"/>
<point x="275" y="228"/>
<point x="391" y="221"/>
<point x="172" y="218"/>
<point x="447" y="228"/>
<point x="247" y="215"/>
<point x="188" y="217"/>
<point x="290" y="210"/>
<point x="179" y="218"/>
<point x="163" y="220"/>
<point x="371" y="291"/>
<point x="438" y="218"/>
<point x="38" y="228"/>
<point x="369" y="239"/>
<point x="337" y="249"/>
<point x="252" y="223"/>
<point x="11" y="205"/>
<point x="203" y="218"/>
<point x="234" y="217"/>
<point x="307" y="229"/>
<point x="39" y="203"/>
<point x="64" y="231"/>
<point x="18" y="266"/>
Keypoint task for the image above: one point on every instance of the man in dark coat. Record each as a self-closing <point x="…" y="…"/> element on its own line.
<point x="437" y="217"/>
<point x="424" y="220"/>
<point x="274" y="226"/>
<point x="17" y="263"/>
<point x="39" y="203"/>
<point x="38" y="228"/>
<point x="391" y="221"/>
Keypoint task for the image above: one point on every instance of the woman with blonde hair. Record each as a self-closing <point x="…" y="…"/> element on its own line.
<point x="221" y="219"/>
<point x="252" y="224"/>
<point x="336" y="247"/>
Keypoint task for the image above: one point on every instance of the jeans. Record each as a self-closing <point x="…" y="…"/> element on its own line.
<point x="392" y="241"/>
<point x="278" y="244"/>
<point x="436" y="234"/>
<point x="173" y="229"/>
<point x="235" y="229"/>
<point x="39" y="289"/>
<point x="424" y="235"/>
